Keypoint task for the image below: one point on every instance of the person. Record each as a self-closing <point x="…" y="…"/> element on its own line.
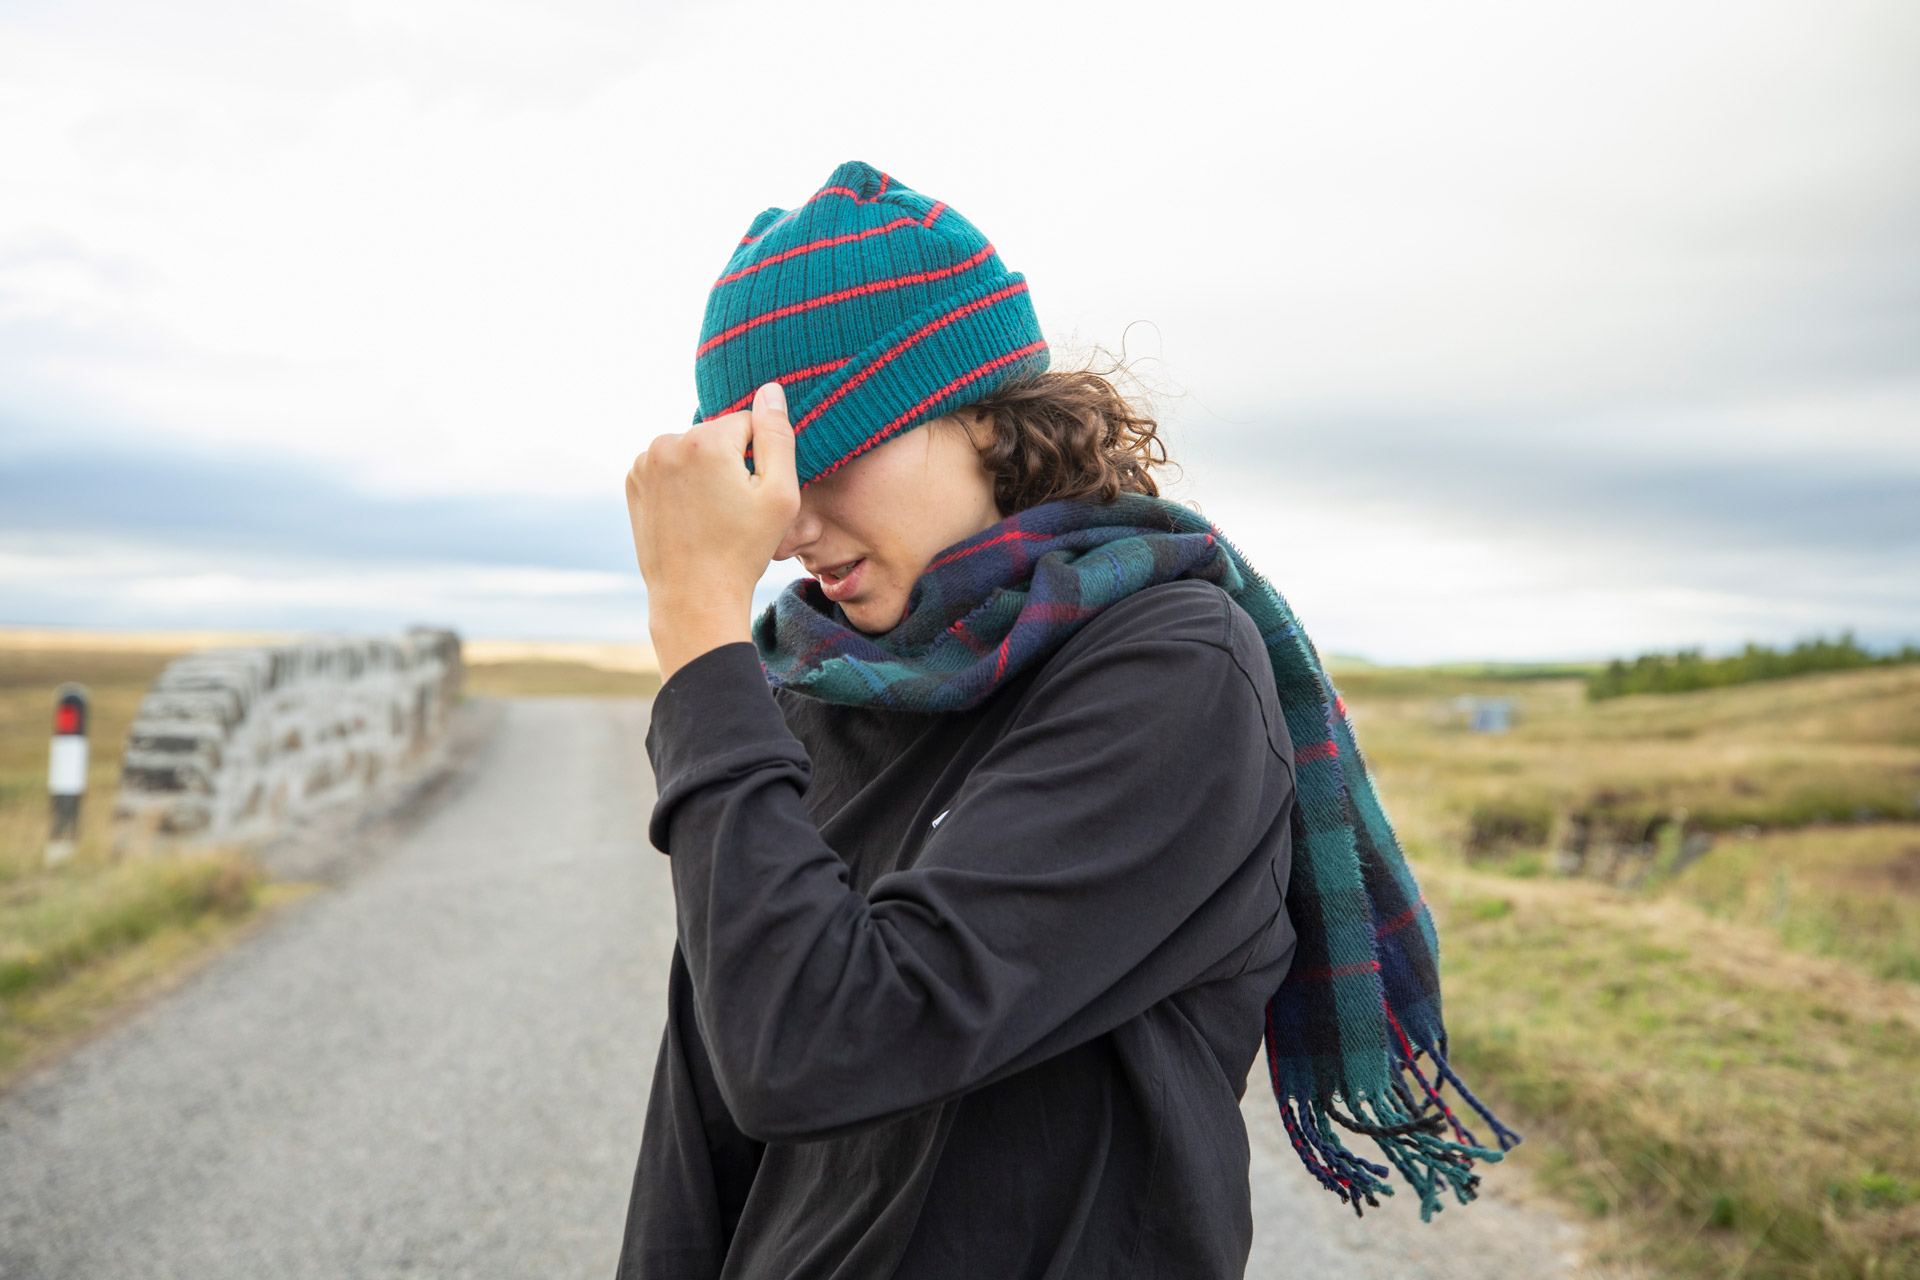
<point x="1001" y="842"/>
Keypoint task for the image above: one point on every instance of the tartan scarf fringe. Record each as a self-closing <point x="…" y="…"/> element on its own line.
<point x="1416" y="1130"/>
<point x="1360" y="1007"/>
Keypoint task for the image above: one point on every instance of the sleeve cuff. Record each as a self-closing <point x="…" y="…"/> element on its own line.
<point x="713" y="722"/>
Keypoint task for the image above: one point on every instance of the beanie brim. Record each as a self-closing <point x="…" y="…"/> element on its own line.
<point x="945" y="357"/>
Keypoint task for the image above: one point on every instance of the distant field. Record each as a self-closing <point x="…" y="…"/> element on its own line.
<point x="1710" y="1030"/>
<point x="548" y="678"/>
<point x="556" y="668"/>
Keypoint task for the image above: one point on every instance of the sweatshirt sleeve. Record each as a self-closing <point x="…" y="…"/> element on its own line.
<point x="695" y="1167"/>
<point x="1099" y="858"/>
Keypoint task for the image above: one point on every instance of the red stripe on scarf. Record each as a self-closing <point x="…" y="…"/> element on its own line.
<point x="1316" y="751"/>
<point x="1056" y="611"/>
<point x="884" y="358"/>
<point x="959" y="631"/>
<point x="1337" y="971"/>
<point x="1009" y="536"/>
<point x="1432" y="1092"/>
<point x="972" y="375"/>
<point x="1400" y="921"/>
<point x="829" y="299"/>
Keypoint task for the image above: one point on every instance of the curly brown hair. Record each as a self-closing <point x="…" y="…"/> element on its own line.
<point x="1066" y="434"/>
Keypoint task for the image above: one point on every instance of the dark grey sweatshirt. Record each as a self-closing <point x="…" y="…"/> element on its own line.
<point x="976" y="994"/>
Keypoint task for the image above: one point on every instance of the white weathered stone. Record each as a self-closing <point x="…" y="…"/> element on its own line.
<point x="230" y="743"/>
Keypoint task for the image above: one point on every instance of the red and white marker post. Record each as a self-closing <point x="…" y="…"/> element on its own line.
<point x="67" y="769"/>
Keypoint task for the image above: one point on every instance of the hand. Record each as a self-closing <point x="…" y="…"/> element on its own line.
<point x="705" y="529"/>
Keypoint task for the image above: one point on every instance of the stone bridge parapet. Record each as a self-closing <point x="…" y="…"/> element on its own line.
<point x="230" y="743"/>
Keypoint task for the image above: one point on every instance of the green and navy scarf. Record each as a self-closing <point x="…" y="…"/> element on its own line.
<point x="1359" y="1011"/>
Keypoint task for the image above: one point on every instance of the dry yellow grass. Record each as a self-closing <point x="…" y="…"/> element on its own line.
<point x="1828" y="748"/>
<point x="1721" y="1061"/>
<point x="116" y="680"/>
<point x="61" y="640"/>
<point x="606" y="655"/>
<point x="556" y="668"/>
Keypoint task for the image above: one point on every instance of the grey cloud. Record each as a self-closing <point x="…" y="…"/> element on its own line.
<point x="246" y="502"/>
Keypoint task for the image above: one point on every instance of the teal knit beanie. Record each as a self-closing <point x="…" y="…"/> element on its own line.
<point x="874" y="307"/>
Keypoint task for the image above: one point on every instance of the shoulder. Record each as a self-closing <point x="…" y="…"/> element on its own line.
<point x="1188" y="610"/>
<point x="1190" y="629"/>
<point x="1170" y="660"/>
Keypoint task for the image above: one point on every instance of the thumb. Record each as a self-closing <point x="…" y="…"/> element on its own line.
<point x="772" y="437"/>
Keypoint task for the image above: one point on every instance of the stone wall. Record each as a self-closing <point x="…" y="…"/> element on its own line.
<point x="230" y="743"/>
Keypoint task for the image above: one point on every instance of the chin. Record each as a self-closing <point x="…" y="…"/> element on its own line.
<point x="873" y="617"/>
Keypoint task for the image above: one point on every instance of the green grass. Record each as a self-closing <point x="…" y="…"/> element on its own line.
<point x="52" y="925"/>
<point x="1690" y="669"/>
<point x="1710" y="1045"/>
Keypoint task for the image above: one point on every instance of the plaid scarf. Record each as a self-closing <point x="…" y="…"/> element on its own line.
<point x="1360" y="1008"/>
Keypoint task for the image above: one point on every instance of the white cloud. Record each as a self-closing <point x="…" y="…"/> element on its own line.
<point x="464" y="248"/>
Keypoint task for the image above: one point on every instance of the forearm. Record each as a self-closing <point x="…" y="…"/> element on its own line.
<point x="798" y="990"/>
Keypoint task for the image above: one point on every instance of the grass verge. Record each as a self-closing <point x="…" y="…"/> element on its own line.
<point x="81" y="950"/>
<point x="1745" y="1114"/>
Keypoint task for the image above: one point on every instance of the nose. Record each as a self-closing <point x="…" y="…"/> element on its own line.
<point x="804" y="530"/>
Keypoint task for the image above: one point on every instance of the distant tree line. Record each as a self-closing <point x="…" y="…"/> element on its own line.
<point x="1690" y="669"/>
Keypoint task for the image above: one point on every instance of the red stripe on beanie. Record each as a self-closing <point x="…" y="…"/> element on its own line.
<point x="827" y="243"/>
<point x="783" y="379"/>
<point x="972" y="375"/>
<point x="849" y="194"/>
<point x="880" y="362"/>
<point x="828" y="299"/>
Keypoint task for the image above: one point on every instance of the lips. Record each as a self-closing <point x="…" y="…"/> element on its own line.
<point x="841" y="581"/>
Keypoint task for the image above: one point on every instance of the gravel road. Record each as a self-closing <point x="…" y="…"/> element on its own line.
<point x="438" y="1068"/>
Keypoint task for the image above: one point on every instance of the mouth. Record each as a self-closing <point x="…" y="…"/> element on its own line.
<point x="841" y="581"/>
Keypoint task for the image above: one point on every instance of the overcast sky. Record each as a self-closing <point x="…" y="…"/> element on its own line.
<point x="1487" y="329"/>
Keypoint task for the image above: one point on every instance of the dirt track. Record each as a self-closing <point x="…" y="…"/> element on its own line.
<point x="439" y="1068"/>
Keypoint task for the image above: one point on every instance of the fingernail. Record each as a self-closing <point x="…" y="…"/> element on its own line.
<point x="771" y="397"/>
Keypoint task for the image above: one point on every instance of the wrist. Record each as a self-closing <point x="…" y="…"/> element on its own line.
<point x="683" y="628"/>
